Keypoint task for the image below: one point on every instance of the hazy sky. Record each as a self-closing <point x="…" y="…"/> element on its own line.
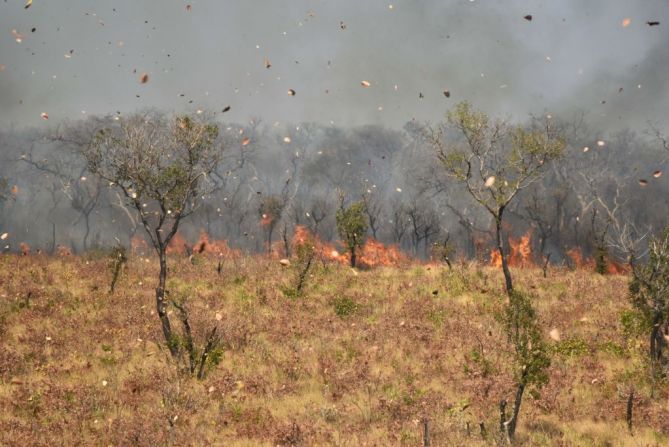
<point x="89" y="55"/>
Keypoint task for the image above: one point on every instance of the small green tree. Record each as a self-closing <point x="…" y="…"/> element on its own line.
<point x="117" y="259"/>
<point x="352" y="227"/>
<point x="161" y="165"/>
<point x="305" y="251"/>
<point x="531" y="358"/>
<point x="649" y="292"/>
<point x="495" y="160"/>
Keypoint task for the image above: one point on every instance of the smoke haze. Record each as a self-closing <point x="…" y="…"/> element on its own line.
<point x="572" y="55"/>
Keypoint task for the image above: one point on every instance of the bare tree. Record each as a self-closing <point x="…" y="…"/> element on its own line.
<point x="373" y="209"/>
<point x="318" y="210"/>
<point x="424" y="224"/>
<point x="399" y="222"/>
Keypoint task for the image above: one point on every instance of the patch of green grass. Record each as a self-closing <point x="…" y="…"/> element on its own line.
<point x="344" y="306"/>
<point x="571" y="347"/>
<point x="437" y="317"/>
<point x="613" y="349"/>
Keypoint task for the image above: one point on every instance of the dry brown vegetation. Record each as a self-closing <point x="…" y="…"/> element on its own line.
<point x="358" y="358"/>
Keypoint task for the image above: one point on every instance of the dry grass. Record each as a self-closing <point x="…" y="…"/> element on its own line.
<point x="358" y="359"/>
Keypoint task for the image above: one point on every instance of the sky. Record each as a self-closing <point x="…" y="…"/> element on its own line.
<point x="88" y="57"/>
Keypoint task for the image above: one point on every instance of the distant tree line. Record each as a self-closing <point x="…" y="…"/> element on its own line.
<point x="271" y="179"/>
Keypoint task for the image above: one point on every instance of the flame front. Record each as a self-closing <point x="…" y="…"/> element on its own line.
<point x="372" y="254"/>
<point x="520" y="252"/>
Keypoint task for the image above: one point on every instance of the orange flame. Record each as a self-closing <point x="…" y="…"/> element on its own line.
<point x="613" y="267"/>
<point x="372" y="254"/>
<point x="177" y="245"/>
<point x="576" y="256"/>
<point x="208" y="246"/>
<point x="520" y="254"/>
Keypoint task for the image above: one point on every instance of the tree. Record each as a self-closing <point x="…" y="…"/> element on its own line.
<point x="69" y="177"/>
<point x="373" y="209"/>
<point x="648" y="290"/>
<point x="399" y="222"/>
<point x="424" y="224"/>
<point x="161" y="165"/>
<point x="352" y="227"/>
<point x="270" y="210"/>
<point x="495" y="161"/>
<point x="530" y="352"/>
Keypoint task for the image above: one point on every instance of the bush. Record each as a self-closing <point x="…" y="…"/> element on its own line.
<point x="571" y="347"/>
<point x="344" y="306"/>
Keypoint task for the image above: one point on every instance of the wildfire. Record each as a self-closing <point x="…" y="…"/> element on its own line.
<point x="205" y="245"/>
<point x="177" y="245"/>
<point x="372" y="254"/>
<point x="576" y="257"/>
<point x="520" y="254"/>
<point x="579" y="261"/>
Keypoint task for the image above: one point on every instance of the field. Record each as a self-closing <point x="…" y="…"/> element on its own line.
<point x="359" y="359"/>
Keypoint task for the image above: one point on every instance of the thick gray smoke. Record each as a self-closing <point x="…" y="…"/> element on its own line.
<point x="87" y="56"/>
<point x="598" y="59"/>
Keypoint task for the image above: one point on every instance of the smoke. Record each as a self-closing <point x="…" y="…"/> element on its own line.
<point x="572" y="55"/>
<point x="87" y="57"/>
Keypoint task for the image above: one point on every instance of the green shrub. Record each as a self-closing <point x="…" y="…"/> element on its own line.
<point x="571" y="347"/>
<point x="344" y="306"/>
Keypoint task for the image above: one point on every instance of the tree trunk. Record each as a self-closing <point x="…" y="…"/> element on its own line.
<point x="505" y="262"/>
<point x="286" y="243"/>
<point x="516" y="409"/>
<point x="161" y="306"/>
<point x="655" y="346"/>
<point x="52" y="250"/>
<point x="269" y="239"/>
<point x="88" y="231"/>
<point x="353" y="257"/>
<point x="630" y="405"/>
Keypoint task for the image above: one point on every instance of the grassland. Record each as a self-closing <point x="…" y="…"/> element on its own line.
<point x="357" y="360"/>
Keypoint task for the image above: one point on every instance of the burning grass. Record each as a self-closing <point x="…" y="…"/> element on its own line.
<point x="358" y="359"/>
